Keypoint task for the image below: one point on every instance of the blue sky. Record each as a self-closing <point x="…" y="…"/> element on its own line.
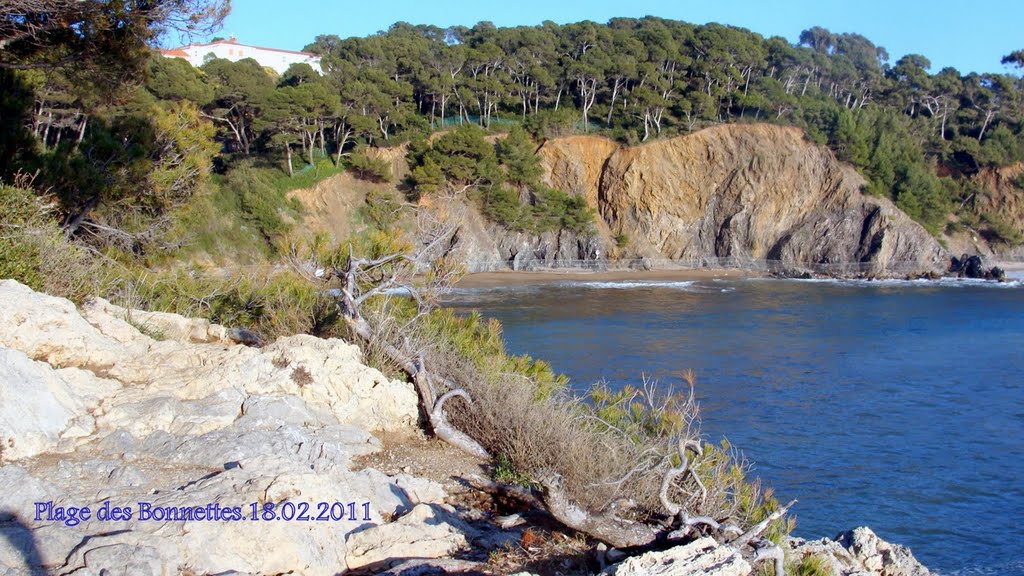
<point x="971" y="35"/>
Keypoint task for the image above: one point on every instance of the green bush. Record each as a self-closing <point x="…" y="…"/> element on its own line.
<point x="550" y="210"/>
<point x="550" y="123"/>
<point x="271" y="304"/>
<point x="261" y="200"/>
<point x="812" y="565"/>
<point x="36" y="252"/>
<point x="1001" y="231"/>
<point x="382" y="209"/>
<point x="366" y="168"/>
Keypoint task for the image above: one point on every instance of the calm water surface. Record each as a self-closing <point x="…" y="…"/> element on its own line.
<point x="898" y="406"/>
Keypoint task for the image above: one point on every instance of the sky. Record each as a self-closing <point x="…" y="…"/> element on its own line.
<point x="970" y="35"/>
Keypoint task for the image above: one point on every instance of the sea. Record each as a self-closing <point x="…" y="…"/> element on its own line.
<point x="897" y="405"/>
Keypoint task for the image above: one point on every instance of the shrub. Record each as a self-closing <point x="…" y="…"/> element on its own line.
<point x="552" y="123"/>
<point x="382" y="209"/>
<point x="812" y="565"/>
<point x="1000" y="231"/>
<point x="260" y="197"/>
<point x="550" y="210"/>
<point x="270" y="303"/>
<point x="366" y="168"/>
<point x="36" y="252"/>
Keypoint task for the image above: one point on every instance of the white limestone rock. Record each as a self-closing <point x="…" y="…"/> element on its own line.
<point x="701" y="557"/>
<point x="860" y="552"/>
<point x="178" y="424"/>
<point x="427" y="531"/>
<point x="31" y="416"/>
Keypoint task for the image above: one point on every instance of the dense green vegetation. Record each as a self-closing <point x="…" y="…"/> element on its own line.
<point x="634" y="79"/>
<point x="125" y="160"/>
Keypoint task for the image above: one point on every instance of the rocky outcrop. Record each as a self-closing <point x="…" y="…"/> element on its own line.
<point x="193" y="438"/>
<point x="702" y="557"/>
<point x="859" y="552"/>
<point x="1002" y="195"/>
<point x="742" y="192"/>
<point x="484" y="246"/>
<point x="968" y="266"/>
<point x="428" y="531"/>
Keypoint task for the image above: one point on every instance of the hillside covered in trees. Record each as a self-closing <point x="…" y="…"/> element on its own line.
<point x="915" y="135"/>
<point x="127" y="158"/>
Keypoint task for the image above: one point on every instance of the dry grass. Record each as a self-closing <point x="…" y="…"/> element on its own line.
<point x="35" y="251"/>
<point x="302" y="377"/>
<point x="611" y="449"/>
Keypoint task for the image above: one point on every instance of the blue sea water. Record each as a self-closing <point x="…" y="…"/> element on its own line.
<point x="896" y="405"/>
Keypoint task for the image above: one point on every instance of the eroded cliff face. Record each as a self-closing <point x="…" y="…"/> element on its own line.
<point x="1002" y="196"/>
<point x="743" y="192"/>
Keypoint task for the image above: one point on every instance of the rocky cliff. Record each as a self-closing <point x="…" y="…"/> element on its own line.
<point x="757" y="192"/>
<point x="1003" y="196"/>
<point x="482" y="245"/>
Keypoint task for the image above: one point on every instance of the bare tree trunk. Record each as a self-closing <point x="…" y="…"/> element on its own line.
<point x="75" y="222"/>
<point x="989" y="115"/>
<point x="606" y="528"/>
<point x="81" y="131"/>
<point x="611" y="108"/>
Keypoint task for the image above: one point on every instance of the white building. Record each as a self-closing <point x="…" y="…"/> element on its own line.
<point x="230" y="49"/>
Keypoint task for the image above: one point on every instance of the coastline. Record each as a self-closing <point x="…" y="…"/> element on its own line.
<point x="501" y="278"/>
<point x="1012" y="266"/>
<point x="524" y="278"/>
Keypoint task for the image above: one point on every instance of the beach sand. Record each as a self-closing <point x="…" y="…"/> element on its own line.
<point x="520" y="278"/>
<point x="1009" y="266"/>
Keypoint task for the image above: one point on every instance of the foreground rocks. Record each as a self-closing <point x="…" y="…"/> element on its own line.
<point x="94" y="413"/>
<point x="858" y="552"/>
<point x="703" y="556"/>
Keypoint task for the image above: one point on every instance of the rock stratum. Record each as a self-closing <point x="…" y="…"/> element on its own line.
<point x="741" y="192"/>
<point x="109" y="408"/>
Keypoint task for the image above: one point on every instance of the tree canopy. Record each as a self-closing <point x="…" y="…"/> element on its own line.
<point x="916" y="135"/>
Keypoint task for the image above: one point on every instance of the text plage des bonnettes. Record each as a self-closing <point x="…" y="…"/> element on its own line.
<point x="212" y="512"/>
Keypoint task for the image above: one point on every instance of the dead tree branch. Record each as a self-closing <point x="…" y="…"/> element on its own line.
<point x="607" y="528"/>
<point x="760" y="527"/>
<point x="515" y="492"/>
<point x="449" y="433"/>
<point x="768" y="550"/>
<point x="673" y="473"/>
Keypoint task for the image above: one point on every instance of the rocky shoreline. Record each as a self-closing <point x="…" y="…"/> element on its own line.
<point x="151" y="444"/>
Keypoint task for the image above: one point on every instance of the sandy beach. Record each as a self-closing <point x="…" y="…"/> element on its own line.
<point x="1010" y="266"/>
<point x="519" y="278"/>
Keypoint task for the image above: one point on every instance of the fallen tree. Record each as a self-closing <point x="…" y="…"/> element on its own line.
<point x="656" y="482"/>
